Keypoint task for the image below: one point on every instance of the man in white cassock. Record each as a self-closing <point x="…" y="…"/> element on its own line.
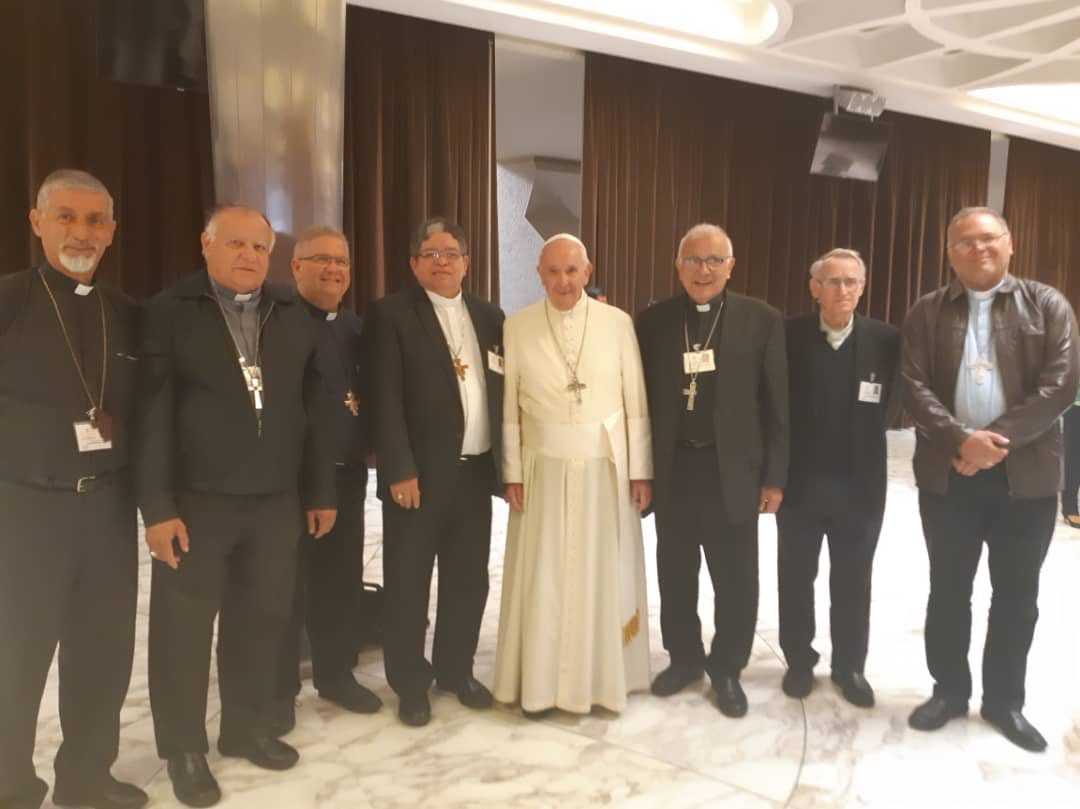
<point x="577" y="461"/>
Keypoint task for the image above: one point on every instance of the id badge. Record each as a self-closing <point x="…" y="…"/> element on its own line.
<point x="88" y="438"/>
<point x="698" y="362"/>
<point x="870" y="392"/>
<point x="496" y="362"/>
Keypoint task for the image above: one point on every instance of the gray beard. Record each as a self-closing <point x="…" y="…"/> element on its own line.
<point x="78" y="264"/>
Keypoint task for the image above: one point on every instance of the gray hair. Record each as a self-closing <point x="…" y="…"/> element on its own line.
<point x="973" y="210"/>
<point x="317" y="232"/>
<point x="211" y="221"/>
<point x="72" y="180"/>
<point x="704" y="229"/>
<point x="438" y="224"/>
<point x="838" y="252"/>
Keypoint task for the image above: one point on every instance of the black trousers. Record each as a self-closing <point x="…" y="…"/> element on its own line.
<point x="242" y="564"/>
<point x="453" y="525"/>
<point x="68" y="576"/>
<point x="1017" y="533"/>
<point x="691" y="520"/>
<point x="1072" y="462"/>
<point x="832" y="508"/>
<point x="326" y="598"/>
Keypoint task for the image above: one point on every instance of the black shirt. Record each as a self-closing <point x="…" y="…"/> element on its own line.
<point x="833" y="397"/>
<point x="41" y="396"/>
<point x="696" y="426"/>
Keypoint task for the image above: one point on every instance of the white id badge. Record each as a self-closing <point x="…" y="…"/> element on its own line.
<point x="870" y="392"/>
<point x="496" y="362"/>
<point x="698" y="362"/>
<point x="88" y="438"/>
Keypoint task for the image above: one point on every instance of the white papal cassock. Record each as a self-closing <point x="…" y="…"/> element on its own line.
<point x="573" y="625"/>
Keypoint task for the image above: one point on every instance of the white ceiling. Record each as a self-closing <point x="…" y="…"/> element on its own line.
<point x="927" y="57"/>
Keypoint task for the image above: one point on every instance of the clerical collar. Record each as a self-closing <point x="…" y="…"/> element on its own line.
<point x="706" y="307"/>
<point x="986" y="293"/>
<point x="319" y="312"/>
<point x="331" y="315"/>
<point x="61" y="280"/>
<point x="240" y="300"/>
<point x="836" y="337"/>
<point x="439" y="300"/>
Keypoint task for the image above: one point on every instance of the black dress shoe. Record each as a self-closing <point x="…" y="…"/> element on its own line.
<point x="113" y="795"/>
<point x="415" y="710"/>
<point x="351" y="696"/>
<point x="1016" y="728"/>
<point x="282" y="716"/>
<point x="730" y="698"/>
<point x="193" y="783"/>
<point x="537" y="715"/>
<point x="674" y="679"/>
<point x="935" y="712"/>
<point x="262" y="751"/>
<point x="798" y="682"/>
<point x="471" y="693"/>
<point x="855" y="688"/>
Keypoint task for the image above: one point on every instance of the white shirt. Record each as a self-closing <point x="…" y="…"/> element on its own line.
<point x="457" y="327"/>
<point x="836" y="337"/>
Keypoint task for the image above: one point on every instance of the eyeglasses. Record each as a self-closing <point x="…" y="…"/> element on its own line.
<point x="434" y="255"/>
<point x="696" y="262"/>
<point x="837" y="283"/>
<point x="326" y="261"/>
<point x="968" y="245"/>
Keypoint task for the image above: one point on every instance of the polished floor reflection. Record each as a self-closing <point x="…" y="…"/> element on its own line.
<point x="819" y="753"/>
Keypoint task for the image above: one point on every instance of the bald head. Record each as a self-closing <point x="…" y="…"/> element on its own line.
<point x="564" y="270"/>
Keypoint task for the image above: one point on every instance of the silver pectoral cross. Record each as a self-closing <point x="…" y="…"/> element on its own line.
<point x="980" y="365"/>
<point x="254" y="381"/>
<point x="576" y="387"/>
<point x="691" y="394"/>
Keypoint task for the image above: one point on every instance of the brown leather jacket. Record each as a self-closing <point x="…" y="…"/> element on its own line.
<point x="1035" y="341"/>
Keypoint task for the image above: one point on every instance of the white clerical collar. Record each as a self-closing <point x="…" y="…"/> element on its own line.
<point x="985" y="294"/>
<point x="439" y="300"/>
<point x="83" y="289"/>
<point x="224" y="293"/>
<point x="836" y="337"/>
<point x="703" y="307"/>
<point x="331" y="315"/>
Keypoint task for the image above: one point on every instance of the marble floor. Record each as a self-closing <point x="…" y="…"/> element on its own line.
<point x="819" y="753"/>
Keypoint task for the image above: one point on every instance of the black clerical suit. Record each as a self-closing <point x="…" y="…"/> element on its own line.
<point x="329" y="570"/>
<point x="710" y="464"/>
<point x="419" y="429"/>
<point x="68" y="542"/>
<point x="201" y="456"/>
<point x="836" y="482"/>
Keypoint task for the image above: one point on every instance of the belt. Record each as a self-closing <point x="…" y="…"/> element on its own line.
<point x="83" y="485"/>
<point x="691" y="443"/>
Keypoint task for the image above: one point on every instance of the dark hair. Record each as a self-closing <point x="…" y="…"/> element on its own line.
<point x="438" y="224"/>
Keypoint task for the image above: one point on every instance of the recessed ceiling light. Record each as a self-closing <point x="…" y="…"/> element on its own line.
<point x="1060" y="102"/>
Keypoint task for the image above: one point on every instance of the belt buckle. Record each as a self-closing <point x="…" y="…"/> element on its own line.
<point x="85" y="484"/>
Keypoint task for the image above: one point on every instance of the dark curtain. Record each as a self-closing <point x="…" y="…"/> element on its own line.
<point x="149" y="145"/>
<point x="1042" y="206"/>
<point x="665" y="149"/>
<point x="419" y="142"/>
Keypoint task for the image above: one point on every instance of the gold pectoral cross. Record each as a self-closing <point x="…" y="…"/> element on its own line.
<point x="980" y="366"/>
<point x="691" y="394"/>
<point x="576" y="387"/>
<point x="352" y="404"/>
<point x="460" y="367"/>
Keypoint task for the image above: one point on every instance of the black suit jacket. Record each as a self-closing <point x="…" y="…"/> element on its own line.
<point x="196" y="428"/>
<point x="877" y="354"/>
<point x="419" y="421"/>
<point x="751" y="411"/>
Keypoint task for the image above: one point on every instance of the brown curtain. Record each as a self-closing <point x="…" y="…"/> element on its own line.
<point x="418" y="143"/>
<point x="1042" y="206"/>
<point x="149" y="145"/>
<point x="665" y="149"/>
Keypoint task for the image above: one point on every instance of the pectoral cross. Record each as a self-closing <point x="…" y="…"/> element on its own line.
<point x="980" y="366"/>
<point x="460" y="367"/>
<point x="576" y="387"/>
<point x="254" y="381"/>
<point x="691" y="394"/>
<point x="352" y="404"/>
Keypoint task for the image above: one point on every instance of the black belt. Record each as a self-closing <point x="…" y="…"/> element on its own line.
<point x="692" y="443"/>
<point x="83" y="485"/>
<point x="464" y="459"/>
